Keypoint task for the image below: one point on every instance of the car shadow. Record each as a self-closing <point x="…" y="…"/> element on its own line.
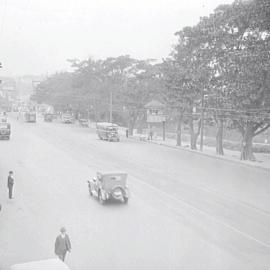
<point x="112" y="203"/>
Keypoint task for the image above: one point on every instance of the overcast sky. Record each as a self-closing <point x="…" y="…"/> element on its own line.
<point x="37" y="36"/>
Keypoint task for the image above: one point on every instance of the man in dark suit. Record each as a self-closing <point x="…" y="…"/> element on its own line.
<point x="10" y="184"/>
<point x="62" y="244"/>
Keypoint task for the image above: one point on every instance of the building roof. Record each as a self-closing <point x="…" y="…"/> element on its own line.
<point x="154" y="104"/>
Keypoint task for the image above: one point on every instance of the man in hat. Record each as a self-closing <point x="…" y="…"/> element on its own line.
<point x="62" y="244"/>
<point x="10" y="184"/>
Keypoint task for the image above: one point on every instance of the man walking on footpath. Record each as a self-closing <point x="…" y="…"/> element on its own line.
<point x="62" y="244"/>
<point x="10" y="184"/>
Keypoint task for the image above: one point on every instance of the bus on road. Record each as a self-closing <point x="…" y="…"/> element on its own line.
<point x="107" y="131"/>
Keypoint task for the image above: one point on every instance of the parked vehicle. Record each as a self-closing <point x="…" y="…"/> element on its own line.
<point x="5" y="130"/>
<point x="107" y="131"/>
<point x="67" y="118"/>
<point x="3" y="117"/>
<point x="30" y="117"/>
<point x="48" y="117"/>
<point x="84" y="122"/>
<point x="110" y="185"/>
<point x="52" y="264"/>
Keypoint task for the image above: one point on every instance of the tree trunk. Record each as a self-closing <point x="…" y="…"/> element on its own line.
<point x="179" y="128"/>
<point x="132" y="121"/>
<point x="247" y="150"/>
<point x="193" y="145"/>
<point x="219" y="137"/>
<point x="141" y="122"/>
<point x="130" y="128"/>
<point x="196" y="135"/>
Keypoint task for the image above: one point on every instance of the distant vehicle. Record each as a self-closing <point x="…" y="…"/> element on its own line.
<point x="109" y="185"/>
<point x="67" y="118"/>
<point x="84" y="122"/>
<point x="52" y="264"/>
<point x="107" y="131"/>
<point x="30" y="117"/>
<point x="15" y="109"/>
<point x="3" y="117"/>
<point x="48" y="117"/>
<point x="5" y="130"/>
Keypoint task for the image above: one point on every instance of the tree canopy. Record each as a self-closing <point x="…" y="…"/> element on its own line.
<point x="219" y="66"/>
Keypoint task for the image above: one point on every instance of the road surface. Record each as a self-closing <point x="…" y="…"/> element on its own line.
<point x="186" y="211"/>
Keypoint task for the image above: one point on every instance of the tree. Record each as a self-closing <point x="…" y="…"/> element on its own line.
<point x="143" y="81"/>
<point x="188" y="77"/>
<point x="241" y="44"/>
<point x="56" y="90"/>
<point x="227" y="54"/>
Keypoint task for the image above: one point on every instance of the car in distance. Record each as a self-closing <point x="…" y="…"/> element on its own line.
<point x="67" y="118"/>
<point x="109" y="185"/>
<point x="5" y="130"/>
<point x="30" y="117"/>
<point x="48" y="117"/>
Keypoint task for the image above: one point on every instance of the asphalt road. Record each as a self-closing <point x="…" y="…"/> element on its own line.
<point x="186" y="211"/>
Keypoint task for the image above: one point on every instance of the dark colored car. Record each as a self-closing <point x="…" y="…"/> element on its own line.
<point x="5" y="130"/>
<point x="110" y="185"/>
<point x="48" y="117"/>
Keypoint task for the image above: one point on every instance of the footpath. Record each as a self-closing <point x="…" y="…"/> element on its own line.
<point x="262" y="159"/>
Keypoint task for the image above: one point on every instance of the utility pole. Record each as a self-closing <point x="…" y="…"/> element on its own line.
<point x="202" y="120"/>
<point x="111" y="105"/>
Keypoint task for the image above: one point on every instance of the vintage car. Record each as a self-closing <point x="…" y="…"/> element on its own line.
<point x="30" y="117"/>
<point x="110" y="185"/>
<point x="52" y="264"/>
<point x="4" y="130"/>
<point x="67" y="118"/>
<point x="48" y="117"/>
<point x="3" y="117"/>
<point x="84" y="122"/>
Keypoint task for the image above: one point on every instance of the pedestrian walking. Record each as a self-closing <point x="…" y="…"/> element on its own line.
<point x="151" y="134"/>
<point x="127" y="133"/>
<point x="62" y="244"/>
<point x="10" y="184"/>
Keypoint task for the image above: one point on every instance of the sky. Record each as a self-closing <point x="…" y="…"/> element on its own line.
<point x="38" y="36"/>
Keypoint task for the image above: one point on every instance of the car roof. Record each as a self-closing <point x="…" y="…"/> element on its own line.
<point x="52" y="264"/>
<point x="111" y="173"/>
<point x="106" y="124"/>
